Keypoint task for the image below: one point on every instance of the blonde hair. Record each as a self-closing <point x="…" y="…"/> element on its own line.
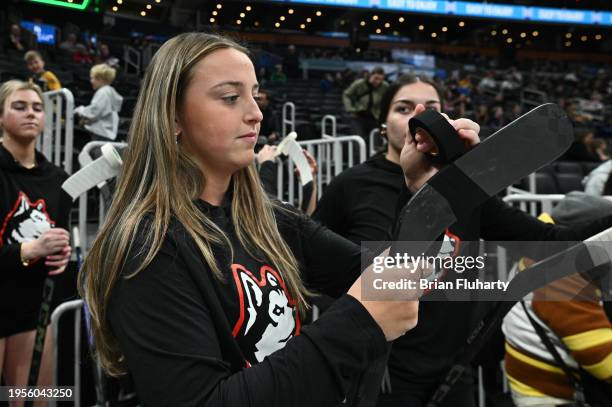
<point x="31" y="55"/>
<point x="103" y="72"/>
<point x="160" y="181"/>
<point x="14" y="85"/>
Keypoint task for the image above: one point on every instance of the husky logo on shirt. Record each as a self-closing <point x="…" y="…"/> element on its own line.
<point x="268" y="317"/>
<point x="27" y="221"/>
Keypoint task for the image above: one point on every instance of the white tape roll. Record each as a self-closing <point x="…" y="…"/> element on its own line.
<point x="289" y="146"/>
<point x="105" y="167"/>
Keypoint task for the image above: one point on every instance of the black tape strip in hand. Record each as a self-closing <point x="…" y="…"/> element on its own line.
<point x="449" y="145"/>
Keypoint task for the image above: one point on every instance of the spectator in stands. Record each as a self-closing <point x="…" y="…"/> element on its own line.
<point x="488" y="82"/>
<point x="327" y="82"/>
<point x="362" y="99"/>
<point x="498" y="119"/>
<point x="278" y="76"/>
<point x="600" y="148"/>
<point x="270" y="124"/>
<point x="44" y="78"/>
<point x="101" y="116"/>
<point x="482" y="114"/>
<point x="69" y="44"/>
<point x="105" y="57"/>
<point x="594" y="182"/>
<point x="579" y="330"/>
<point x="15" y="39"/>
<point x="34" y="241"/>
<point x="582" y="148"/>
<point x="515" y="112"/>
<point x="81" y="55"/>
<point x="291" y="63"/>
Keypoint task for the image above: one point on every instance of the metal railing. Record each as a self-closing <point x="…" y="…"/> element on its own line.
<point x="57" y="140"/>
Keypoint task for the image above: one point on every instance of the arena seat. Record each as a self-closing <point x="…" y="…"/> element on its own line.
<point x="569" y="182"/>
<point x="568" y="167"/>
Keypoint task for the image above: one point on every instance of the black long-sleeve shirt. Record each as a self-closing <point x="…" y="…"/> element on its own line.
<point x="188" y="337"/>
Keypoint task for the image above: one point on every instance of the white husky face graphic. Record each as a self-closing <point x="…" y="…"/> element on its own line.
<point x="27" y="222"/>
<point x="269" y="316"/>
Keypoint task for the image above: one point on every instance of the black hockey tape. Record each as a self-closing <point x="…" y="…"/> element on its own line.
<point x="449" y="146"/>
<point x="461" y="192"/>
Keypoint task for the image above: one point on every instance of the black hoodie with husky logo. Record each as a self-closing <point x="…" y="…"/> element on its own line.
<point x="31" y="202"/>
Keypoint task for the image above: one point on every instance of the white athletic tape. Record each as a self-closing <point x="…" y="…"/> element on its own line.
<point x="289" y="146"/>
<point x="105" y="167"/>
<point x="76" y="238"/>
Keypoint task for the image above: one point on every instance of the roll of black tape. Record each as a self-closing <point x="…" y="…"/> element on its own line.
<point x="449" y="146"/>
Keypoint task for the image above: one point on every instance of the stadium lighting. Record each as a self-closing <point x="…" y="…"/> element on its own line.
<point x="362" y="23"/>
<point x="401" y="19"/>
<point x="212" y="20"/>
<point x="238" y="22"/>
<point x="219" y="6"/>
<point x="434" y="35"/>
<point x="598" y="37"/>
<point x="318" y="13"/>
<point x="375" y="17"/>
<point x="115" y="8"/>
<point x="523" y="35"/>
<point x="568" y="43"/>
<point x="214" y="13"/>
<point x="242" y="15"/>
<point x="387" y="25"/>
<point x="277" y="25"/>
<point x="158" y="1"/>
<point x="290" y="11"/>
<point x="568" y="35"/>
<point x="143" y="13"/>
<point x="378" y="31"/>
<point x="504" y="31"/>
<point x="421" y="27"/>
<point x="535" y="33"/>
<point x="444" y="29"/>
<point x="308" y="20"/>
<point x="509" y="40"/>
<point x="248" y="8"/>
<point x="282" y="18"/>
<point x="461" y="23"/>
<point x="493" y="33"/>
<point x="119" y="1"/>
<point x="584" y="38"/>
<point x="302" y="26"/>
<point x="149" y="6"/>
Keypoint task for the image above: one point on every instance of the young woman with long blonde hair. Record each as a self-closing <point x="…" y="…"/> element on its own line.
<point x="197" y="281"/>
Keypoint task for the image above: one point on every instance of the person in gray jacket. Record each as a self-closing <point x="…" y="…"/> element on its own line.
<point x="595" y="181"/>
<point x="101" y="117"/>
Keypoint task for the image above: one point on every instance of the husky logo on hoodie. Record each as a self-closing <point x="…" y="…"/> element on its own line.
<point x="268" y="317"/>
<point x="26" y="222"/>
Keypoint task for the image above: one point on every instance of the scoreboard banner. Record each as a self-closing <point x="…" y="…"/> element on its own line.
<point x="474" y="9"/>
